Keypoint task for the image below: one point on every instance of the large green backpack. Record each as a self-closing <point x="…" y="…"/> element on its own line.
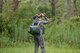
<point x="34" y="29"/>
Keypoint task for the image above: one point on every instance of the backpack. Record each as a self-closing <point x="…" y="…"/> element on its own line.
<point x="34" y="29"/>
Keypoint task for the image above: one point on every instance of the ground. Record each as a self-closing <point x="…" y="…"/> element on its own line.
<point x="30" y="49"/>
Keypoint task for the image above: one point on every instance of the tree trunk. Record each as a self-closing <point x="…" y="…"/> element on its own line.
<point x="15" y="5"/>
<point x="53" y="7"/>
<point x="68" y="9"/>
<point x="75" y="8"/>
<point x="1" y="4"/>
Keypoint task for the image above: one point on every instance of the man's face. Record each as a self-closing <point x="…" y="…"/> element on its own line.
<point x="41" y="18"/>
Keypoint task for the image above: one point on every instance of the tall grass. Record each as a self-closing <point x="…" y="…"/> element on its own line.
<point x="30" y="49"/>
<point x="67" y="32"/>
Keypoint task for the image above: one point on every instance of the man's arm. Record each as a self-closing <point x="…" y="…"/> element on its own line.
<point x="44" y="21"/>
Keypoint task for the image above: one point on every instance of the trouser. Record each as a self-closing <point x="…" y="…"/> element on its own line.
<point x="39" y="41"/>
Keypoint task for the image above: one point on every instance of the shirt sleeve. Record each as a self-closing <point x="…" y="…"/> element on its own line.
<point x="44" y="21"/>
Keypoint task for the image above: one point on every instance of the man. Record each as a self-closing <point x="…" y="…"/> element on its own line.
<point x="38" y="38"/>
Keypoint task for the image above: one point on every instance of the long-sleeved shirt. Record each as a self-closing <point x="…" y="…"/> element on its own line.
<point x="40" y="22"/>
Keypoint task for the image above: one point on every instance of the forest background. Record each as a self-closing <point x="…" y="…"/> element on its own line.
<point x="62" y="31"/>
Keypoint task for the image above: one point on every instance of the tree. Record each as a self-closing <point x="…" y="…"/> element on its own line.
<point x="15" y="4"/>
<point x="75" y="8"/>
<point x="53" y="7"/>
<point x="68" y="9"/>
<point x="1" y="4"/>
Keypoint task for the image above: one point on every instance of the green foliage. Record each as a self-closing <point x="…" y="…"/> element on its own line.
<point x="14" y="25"/>
<point x="4" y="41"/>
<point x="67" y="32"/>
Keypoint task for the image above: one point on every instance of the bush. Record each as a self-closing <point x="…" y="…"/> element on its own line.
<point x="67" y="32"/>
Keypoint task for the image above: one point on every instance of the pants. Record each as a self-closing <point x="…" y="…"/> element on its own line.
<point x="39" y="41"/>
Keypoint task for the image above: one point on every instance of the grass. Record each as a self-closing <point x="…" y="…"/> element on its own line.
<point x="30" y="49"/>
